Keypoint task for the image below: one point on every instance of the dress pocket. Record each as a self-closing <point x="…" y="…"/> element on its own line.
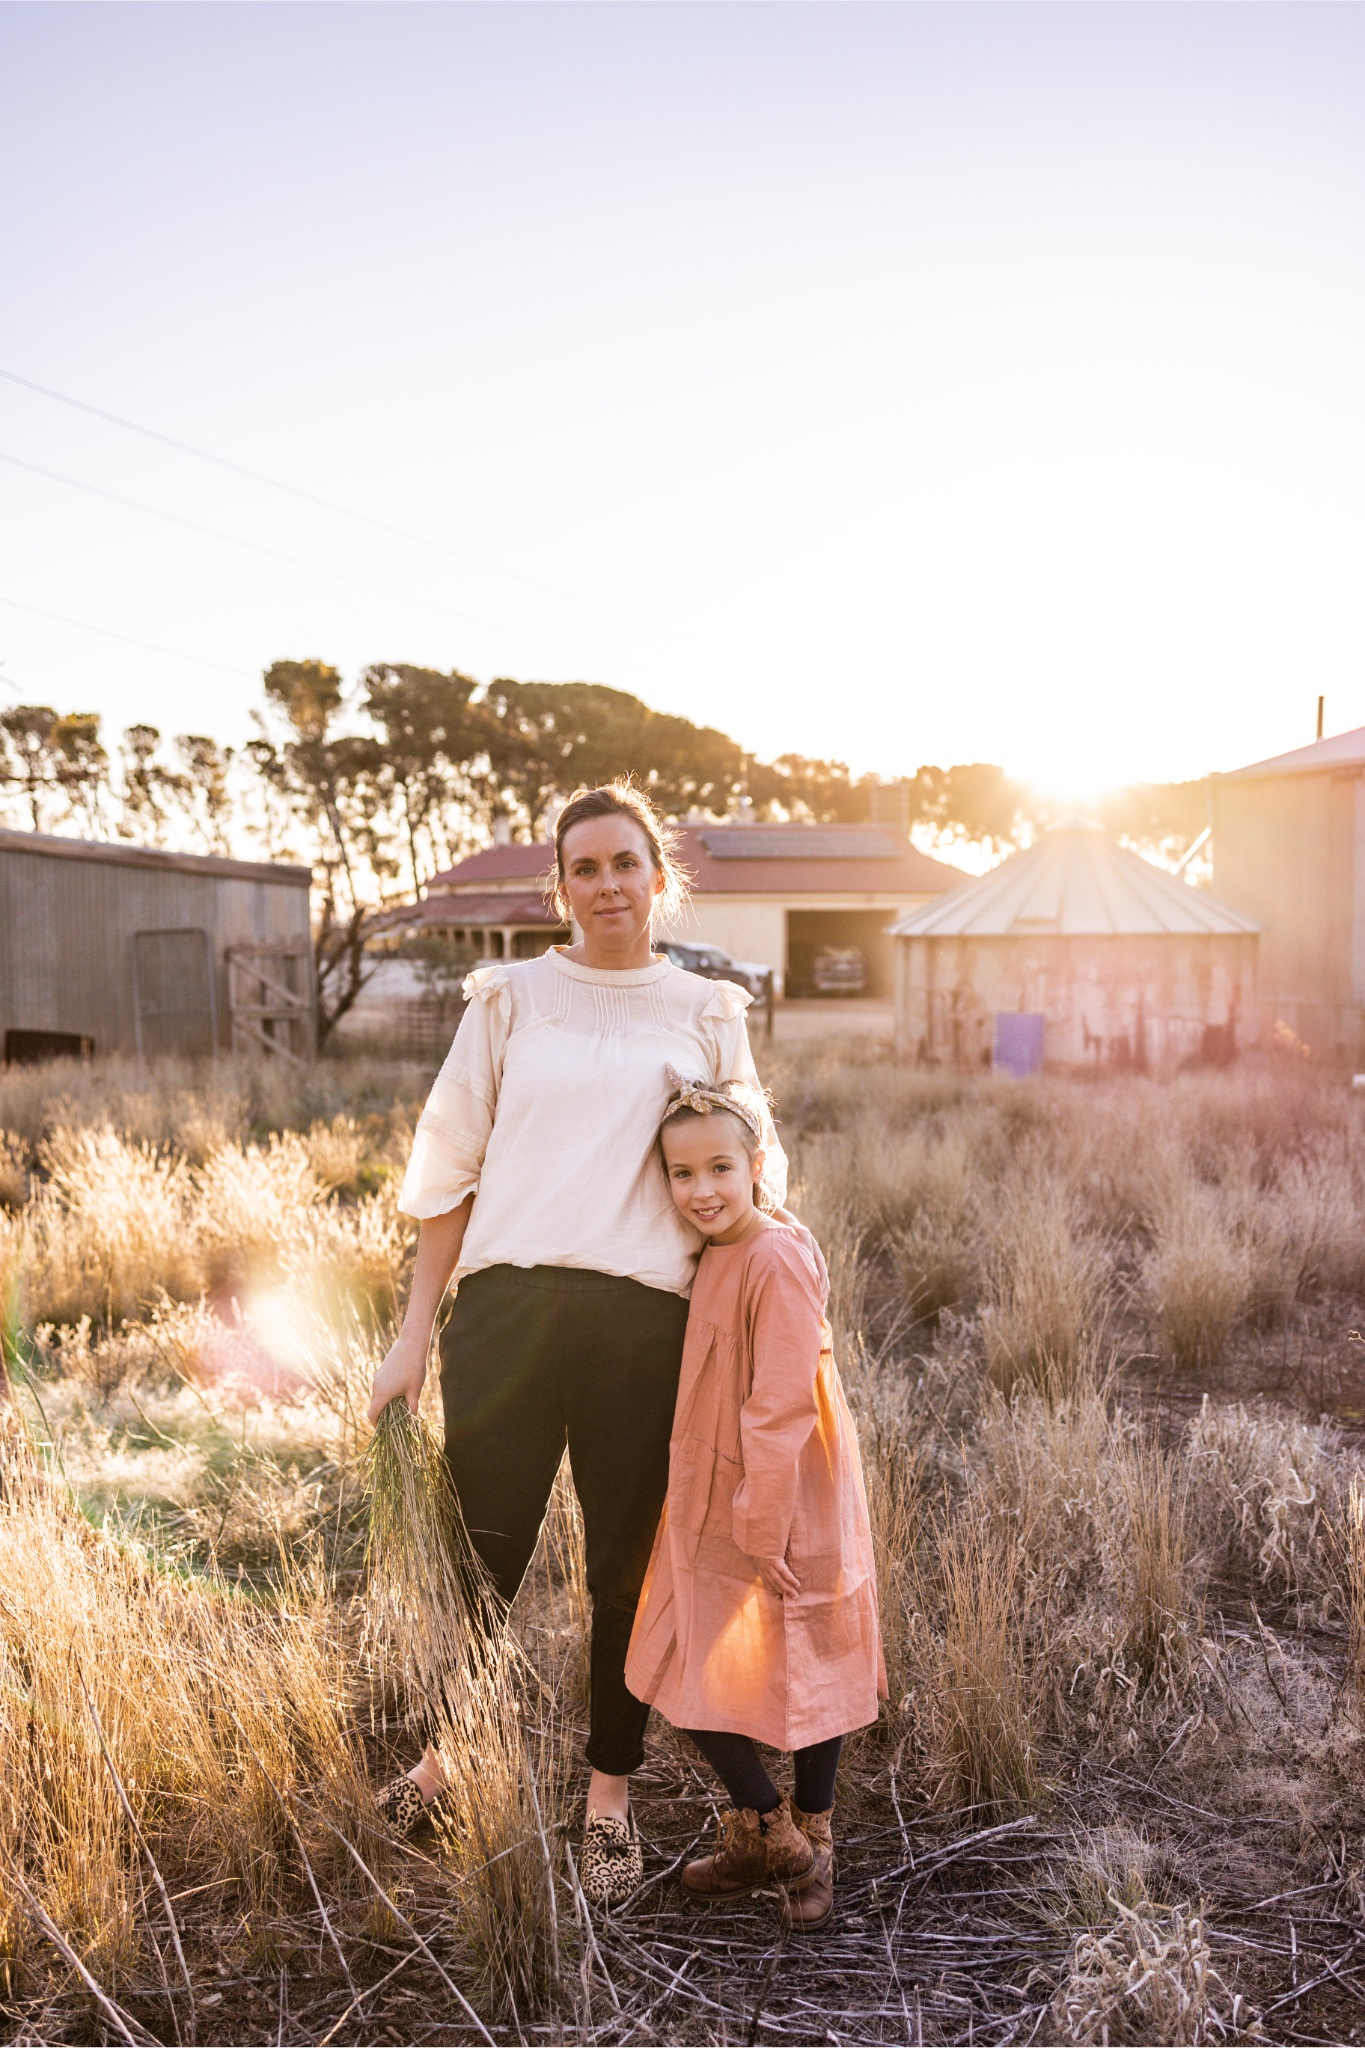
<point x="691" y="1473"/>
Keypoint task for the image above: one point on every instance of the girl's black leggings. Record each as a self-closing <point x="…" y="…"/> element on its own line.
<point x="736" y="1762"/>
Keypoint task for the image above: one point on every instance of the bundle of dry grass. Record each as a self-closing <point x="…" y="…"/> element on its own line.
<point x="436" y="1625"/>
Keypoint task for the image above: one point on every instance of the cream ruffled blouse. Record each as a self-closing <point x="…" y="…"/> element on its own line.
<point x="548" y="1106"/>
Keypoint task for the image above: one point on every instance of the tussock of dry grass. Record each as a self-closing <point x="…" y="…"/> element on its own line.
<point x="1278" y="1491"/>
<point x="214" y="1713"/>
<point x="115" y="1226"/>
<point x="1151" y="1977"/>
<point x="1198" y="1276"/>
<point x="1150" y="1562"/>
<point x="972" y="1703"/>
<point x="1045" y="1278"/>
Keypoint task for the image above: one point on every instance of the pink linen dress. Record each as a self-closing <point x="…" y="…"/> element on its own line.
<point x="763" y="1462"/>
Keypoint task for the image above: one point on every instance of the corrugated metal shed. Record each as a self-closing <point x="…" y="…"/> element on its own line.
<point x="131" y="948"/>
<point x="1075" y="882"/>
<point x="1289" y="850"/>
<point x="1343" y="750"/>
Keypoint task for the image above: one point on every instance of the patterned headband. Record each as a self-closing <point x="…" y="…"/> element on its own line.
<point x="703" y="1098"/>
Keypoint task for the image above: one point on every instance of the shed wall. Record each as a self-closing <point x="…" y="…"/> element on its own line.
<point x="1121" y="1001"/>
<point x="1289" y="851"/>
<point x="67" y="925"/>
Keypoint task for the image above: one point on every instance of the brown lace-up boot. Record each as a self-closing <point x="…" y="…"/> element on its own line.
<point x="751" y="1851"/>
<point x="810" y="1907"/>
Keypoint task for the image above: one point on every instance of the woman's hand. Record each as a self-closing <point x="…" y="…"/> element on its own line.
<point x="438" y="1253"/>
<point x="778" y="1576"/>
<point x="403" y="1373"/>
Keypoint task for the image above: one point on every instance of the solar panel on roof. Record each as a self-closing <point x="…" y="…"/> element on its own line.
<point x="800" y="842"/>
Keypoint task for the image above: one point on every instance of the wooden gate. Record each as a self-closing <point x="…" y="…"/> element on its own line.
<point x="270" y="1000"/>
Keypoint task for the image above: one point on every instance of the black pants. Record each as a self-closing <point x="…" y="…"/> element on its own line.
<point x="530" y="1359"/>
<point x="737" y="1763"/>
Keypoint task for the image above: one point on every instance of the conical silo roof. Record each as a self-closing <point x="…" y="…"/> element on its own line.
<point x="1076" y="882"/>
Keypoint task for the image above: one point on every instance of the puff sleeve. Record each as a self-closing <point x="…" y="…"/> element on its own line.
<point x="453" y="1129"/>
<point x="784" y="1313"/>
<point x="727" y="1033"/>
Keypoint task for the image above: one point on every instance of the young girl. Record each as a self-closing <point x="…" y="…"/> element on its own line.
<point x="758" y="1618"/>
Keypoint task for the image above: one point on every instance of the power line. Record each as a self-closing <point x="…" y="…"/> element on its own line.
<point x="257" y="547"/>
<point x="108" y="633"/>
<point x="276" y="483"/>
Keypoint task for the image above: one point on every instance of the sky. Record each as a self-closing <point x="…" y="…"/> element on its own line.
<point x="892" y="383"/>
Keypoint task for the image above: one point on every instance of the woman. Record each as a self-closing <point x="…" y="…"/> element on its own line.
<point x="535" y="1176"/>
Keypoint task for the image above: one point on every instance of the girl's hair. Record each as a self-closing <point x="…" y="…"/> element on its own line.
<point x="741" y="1108"/>
<point x="623" y="799"/>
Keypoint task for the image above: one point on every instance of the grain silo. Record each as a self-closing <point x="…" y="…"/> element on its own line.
<point x="1077" y="953"/>
<point x="109" y="948"/>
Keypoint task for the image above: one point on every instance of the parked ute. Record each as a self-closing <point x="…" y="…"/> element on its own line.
<point x="839" y="971"/>
<point x="713" y="963"/>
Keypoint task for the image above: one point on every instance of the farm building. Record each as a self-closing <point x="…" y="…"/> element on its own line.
<point x="772" y="894"/>
<point x="107" y="948"/>
<point x="1289" y="851"/>
<point x="1079" y="954"/>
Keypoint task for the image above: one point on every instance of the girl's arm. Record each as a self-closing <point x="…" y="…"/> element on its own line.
<point x="780" y="1412"/>
<point x="404" y="1371"/>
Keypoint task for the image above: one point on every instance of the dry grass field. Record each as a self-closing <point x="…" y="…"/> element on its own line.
<point x="1101" y="1343"/>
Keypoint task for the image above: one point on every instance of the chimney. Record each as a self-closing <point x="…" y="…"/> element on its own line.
<point x="502" y="829"/>
<point x="1321" y="703"/>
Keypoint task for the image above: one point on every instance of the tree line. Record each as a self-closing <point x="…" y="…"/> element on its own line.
<point x="380" y="787"/>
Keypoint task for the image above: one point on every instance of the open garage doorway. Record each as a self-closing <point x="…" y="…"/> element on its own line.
<point x="810" y="930"/>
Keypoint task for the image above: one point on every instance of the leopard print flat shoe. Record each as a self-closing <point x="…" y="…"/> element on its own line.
<point x="401" y="1807"/>
<point x="611" y="1863"/>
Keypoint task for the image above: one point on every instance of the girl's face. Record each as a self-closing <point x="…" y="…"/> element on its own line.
<point x="611" y="881"/>
<point x="711" y="1176"/>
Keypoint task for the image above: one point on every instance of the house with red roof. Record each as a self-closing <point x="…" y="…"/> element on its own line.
<point x="771" y="894"/>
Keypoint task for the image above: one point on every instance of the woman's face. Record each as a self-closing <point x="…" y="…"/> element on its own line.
<point x="610" y="880"/>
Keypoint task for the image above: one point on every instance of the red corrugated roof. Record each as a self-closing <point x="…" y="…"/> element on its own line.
<point x="485" y="907"/>
<point x="497" y="864"/>
<point x="802" y="860"/>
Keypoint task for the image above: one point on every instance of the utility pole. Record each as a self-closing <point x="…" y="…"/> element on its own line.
<point x="1321" y="702"/>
